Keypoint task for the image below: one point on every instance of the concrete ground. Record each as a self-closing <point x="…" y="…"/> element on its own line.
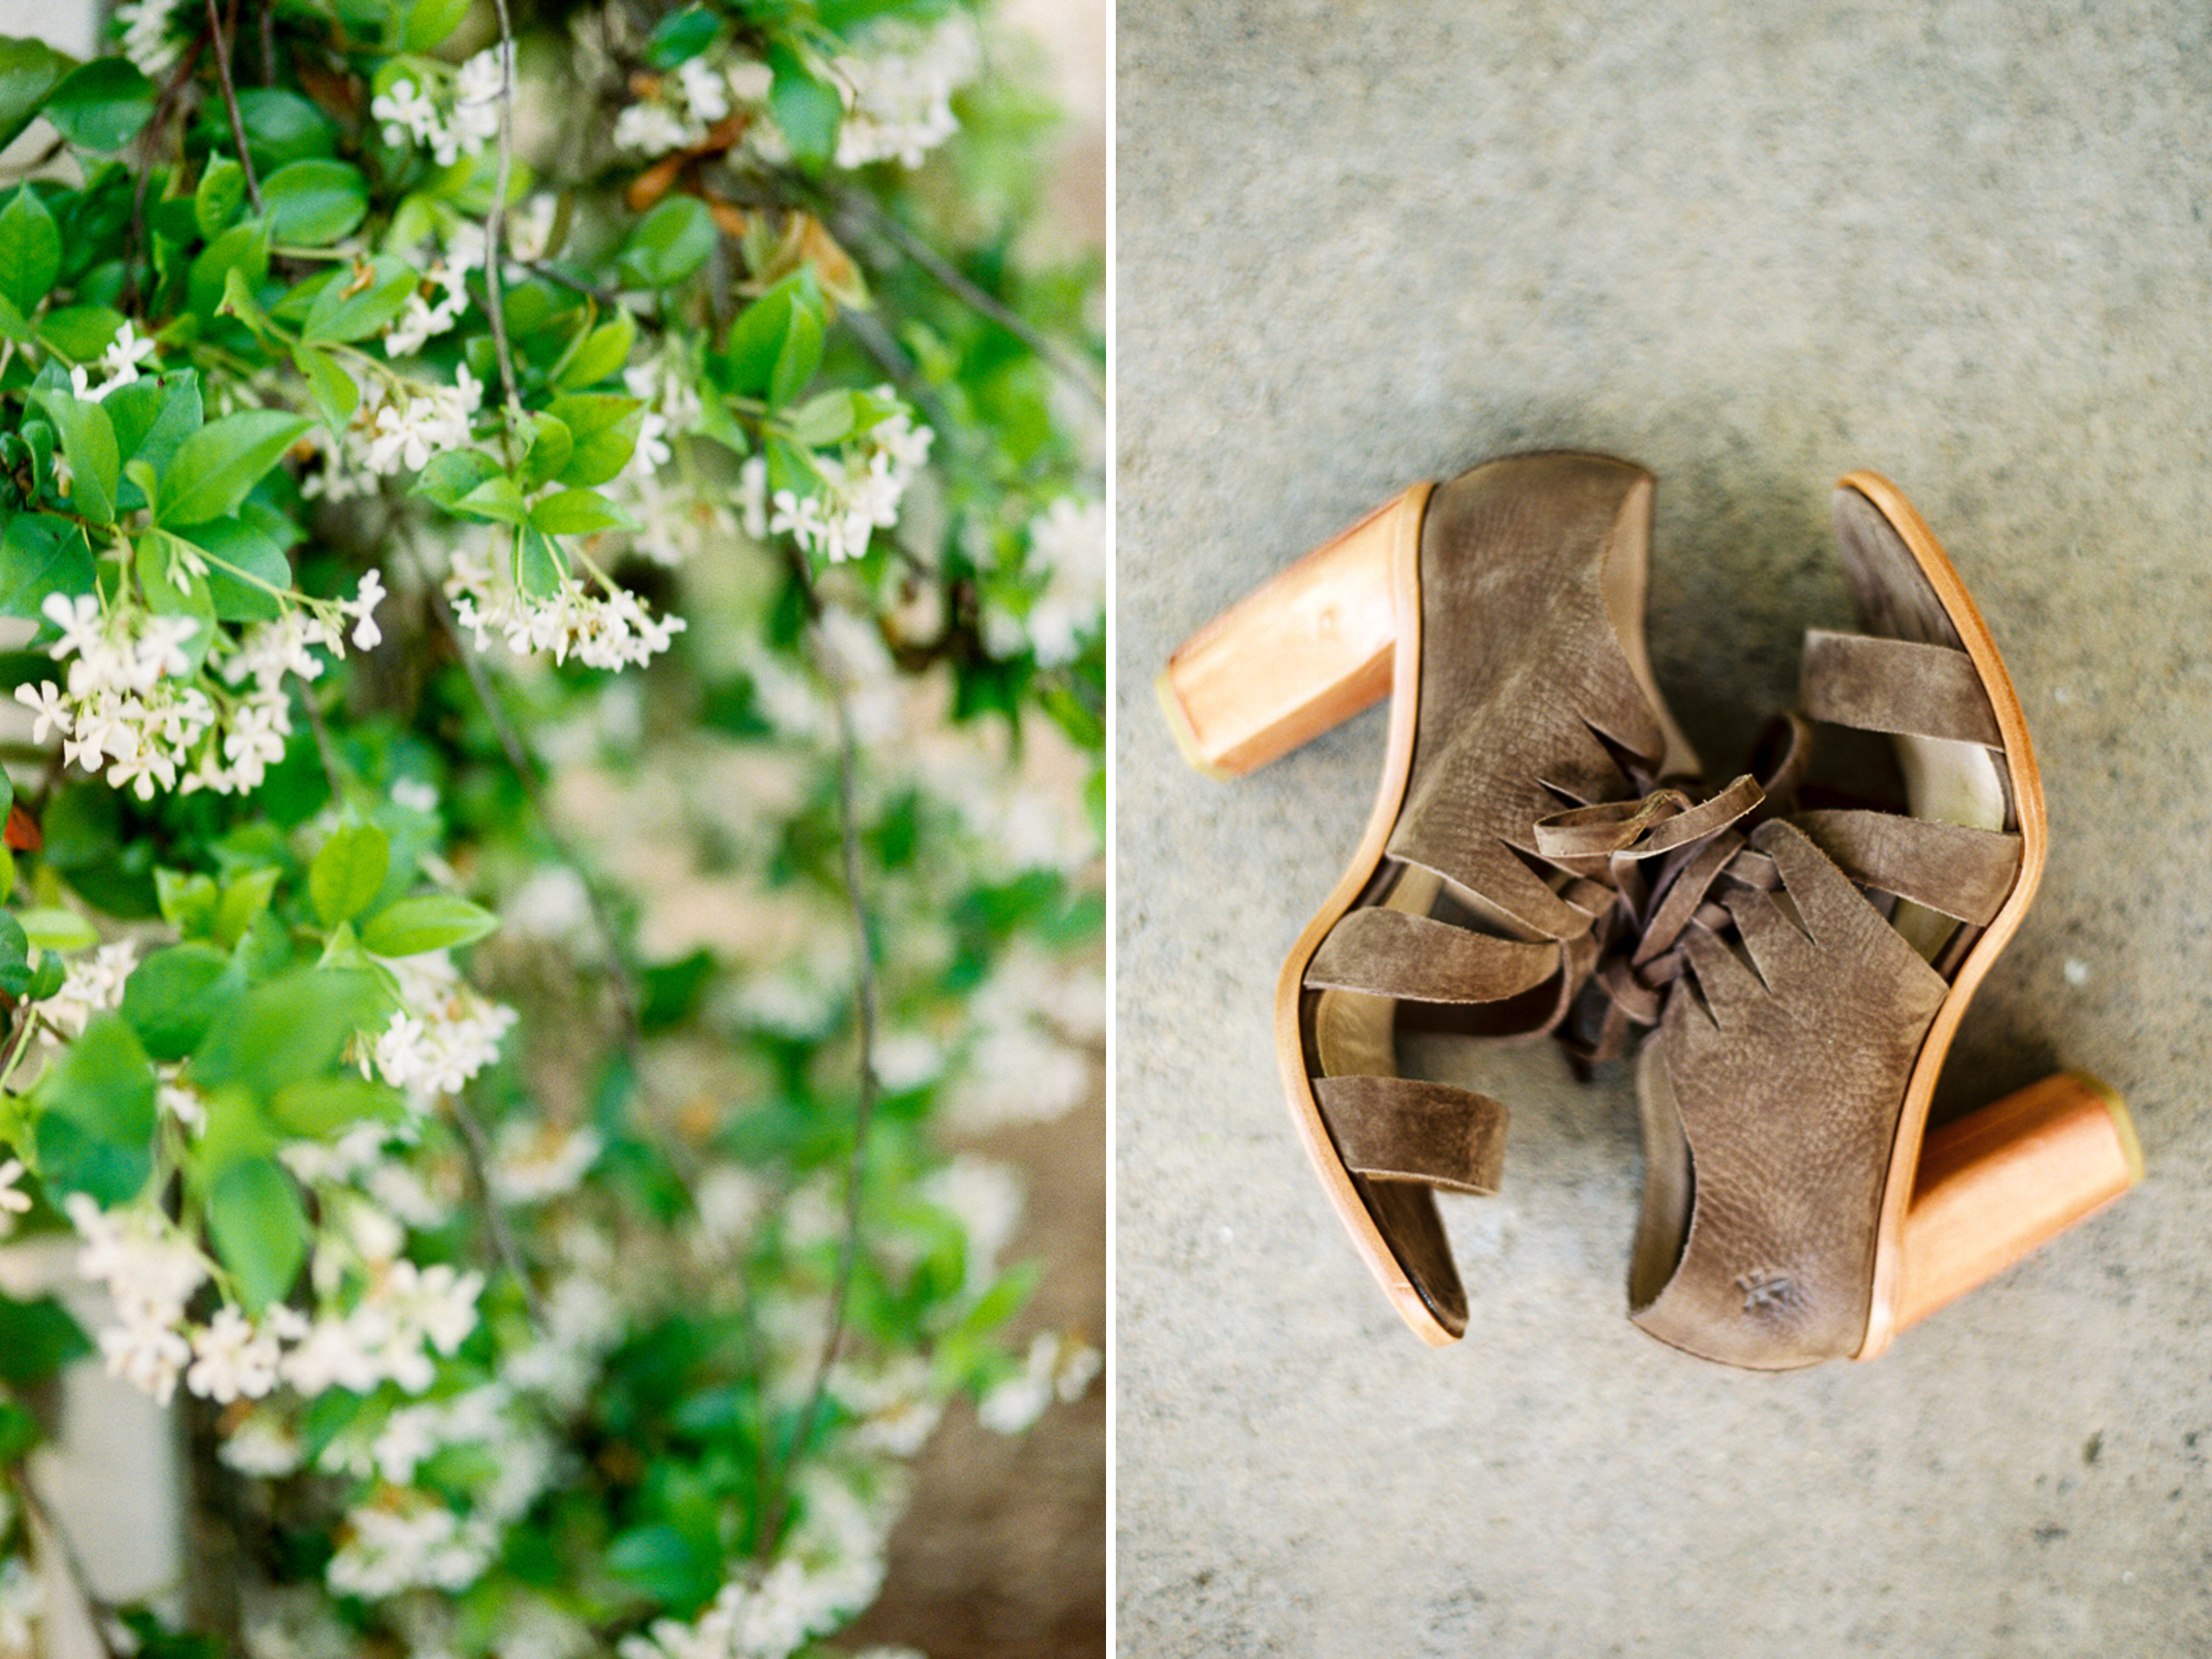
<point x="1753" y="248"/>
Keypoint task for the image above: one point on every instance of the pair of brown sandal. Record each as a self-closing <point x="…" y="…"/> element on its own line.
<point x="1544" y="858"/>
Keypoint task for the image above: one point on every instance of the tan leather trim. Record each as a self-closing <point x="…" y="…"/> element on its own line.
<point x="1438" y="1327"/>
<point x="2026" y="784"/>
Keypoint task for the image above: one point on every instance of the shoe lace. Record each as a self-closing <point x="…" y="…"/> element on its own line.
<point x="1672" y="853"/>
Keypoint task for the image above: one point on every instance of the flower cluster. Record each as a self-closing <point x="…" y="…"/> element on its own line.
<point x="443" y="1034"/>
<point x="859" y="490"/>
<point x="1025" y="1065"/>
<point x="1067" y="547"/>
<point x="127" y="707"/>
<point x="144" y="26"/>
<point x="611" y="628"/>
<point x="92" y="984"/>
<point x="679" y="109"/>
<point x="133" y="709"/>
<point x="403" y="1539"/>
<point x="832" y="1568"/>
<point x="411" y="115"/>
<point x="150" y="1271"/>
<point x="1058" y="1364"/>
<point x="898" y="93"/>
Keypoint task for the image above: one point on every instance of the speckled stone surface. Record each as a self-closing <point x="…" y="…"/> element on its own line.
<point x="1753" y="248"/>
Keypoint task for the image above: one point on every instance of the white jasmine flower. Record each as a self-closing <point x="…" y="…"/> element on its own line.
<point x="13" y="1200"/>
<point x="361" y="609"/>
<point x="45" y="702"/>
<point x="146" y="1354"/>
<point x="535" y="1162"/>
<point x="263" y="1446"/>
<point x="234" y="1361"/>
<point x="1055" y="1365"/>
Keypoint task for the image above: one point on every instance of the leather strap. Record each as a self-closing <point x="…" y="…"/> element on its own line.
<point x="1404" y="1129"/>
<point x="1389" y="953"/>
<point x="1896" y="686"/>
<point x="1966" y="873"/>
<point x="1661" y="822"/>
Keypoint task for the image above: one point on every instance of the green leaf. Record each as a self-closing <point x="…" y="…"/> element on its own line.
<point x="314" y="203"/>
<point x="681" y="36"/>
<point x="808" y="111"/>
<point x="659" y="1561"/>
<point x="756" y="338"/>
<point x="323" y="1107"/>
<point x="348" y="873"/>
<point x="57" y="929"/>
<point x="550" y="446"/>
<point x="29" y="72"/>
<point x="41" y="555"/>
<point x="669" y="244"/>
<point x="222" y="192"/>
<point x="30" y="251"/>
<point x="603" y="427"/>
<point x="171" y="997"/>
<point x="605" y="350"/>
<point x="431" y="21"/>
<point x="291" y="1028"/>
<point x="238" y="555"/>
<point x="19" y="1432"/>
<point x="579" y="512"/>
<point x="245" y="897"/>
<point x="432" y="921"/>
<point x="336" y="395"/>
<point x="453" y="474"/>
<point x="342" y="314"/>
<point x="258" y="1228"/>
<point x="88" y="438"/>
<point x="98" y="1101"/>
<point x="36" y="1340"/>
<point x="497" y="499"/>
<point x="821" y="421"/>
<point x="15" y="953"/>
<point x="188" y="903"/>
<point x="216" y="468"/>
<point x="242" y="249"/>
<point x="152" y="417"/>
<point x="800" y="354"/>
<point x="79" y="333"/>
<point x="283" y="128"/>
<point x="102" y="104"/>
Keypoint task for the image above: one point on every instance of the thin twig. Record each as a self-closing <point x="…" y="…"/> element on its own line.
<point x="627" y="1001"/>
<point x="1078" y="373"/>
<point x="323" y="748"/>
<point x="479" y="1157"/>
<point x="496" y="226"/>
<point x="264" y="14"/>
<point x="864" y="1109"/>
<point x="607" y="297"/>
<point x="230" y="103"/>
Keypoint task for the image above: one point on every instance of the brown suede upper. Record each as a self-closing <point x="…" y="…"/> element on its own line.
<point x="1795" y="1011"/>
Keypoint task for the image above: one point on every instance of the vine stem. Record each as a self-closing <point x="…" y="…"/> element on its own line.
<point x="230" y="103"/>
<point x="496" y="226"/>
<point x="864" y="997"/>
<point x="949" y="276"/>
<point x="627" y="1002"/>
<point x="480" y="1157"/>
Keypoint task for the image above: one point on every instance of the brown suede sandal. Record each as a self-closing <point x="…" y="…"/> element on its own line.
<point x="1813" y="974"/>
<point x="1505" y="613"/>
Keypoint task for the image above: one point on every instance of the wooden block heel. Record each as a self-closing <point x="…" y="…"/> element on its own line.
<point x="1999" y="1184"/>
<point x="1305" y="652"/>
